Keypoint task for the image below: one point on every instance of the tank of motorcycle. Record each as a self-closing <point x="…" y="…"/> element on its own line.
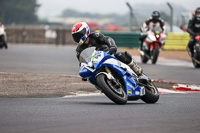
<point x="99" y="57"/>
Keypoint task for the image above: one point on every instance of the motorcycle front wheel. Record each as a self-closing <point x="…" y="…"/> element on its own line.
<point x="113" y="92"/>
<point x="196" y="65"/>
<point x="155" y="54"/>
<point x="196" y="57"/>
<point x="144" y="58"/>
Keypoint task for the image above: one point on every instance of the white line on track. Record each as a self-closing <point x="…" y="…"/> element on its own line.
<point x="161" y="90"/>
<point x="167" y="91"/>
<point x="83" y="95"/>
<point x="168" y="62"/>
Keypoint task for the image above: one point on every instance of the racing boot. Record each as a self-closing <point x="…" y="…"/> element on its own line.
<point x="138" y="70"/>
<point x="133" y="65"/>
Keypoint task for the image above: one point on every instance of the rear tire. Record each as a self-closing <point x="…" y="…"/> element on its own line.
<point x="151" y="93"/>
<point x="102" y="82"/>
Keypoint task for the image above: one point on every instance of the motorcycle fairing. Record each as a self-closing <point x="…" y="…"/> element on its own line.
<point x="85" y="71"/>
<point x="132" y="88"/>
<point x="101" y="60"/>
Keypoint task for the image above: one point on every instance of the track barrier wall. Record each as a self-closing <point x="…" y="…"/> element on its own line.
<point x="130" y="40"/>
<point x="63" y="36"/>
<point x="173" y="41"/>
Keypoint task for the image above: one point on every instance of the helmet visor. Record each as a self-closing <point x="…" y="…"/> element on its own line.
<point x="77" y="36"/>
<point x="155" y="17"/>
<point x="198" y="16"/>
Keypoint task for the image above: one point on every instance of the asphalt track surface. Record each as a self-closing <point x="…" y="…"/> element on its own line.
<point x="62" y="60"/>
<point x="174" y="113"/>
<point x="43" y="59"/>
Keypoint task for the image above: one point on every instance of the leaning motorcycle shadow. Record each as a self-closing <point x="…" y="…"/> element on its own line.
<point x="129" y="103"/>
<point x="104" y="103"/>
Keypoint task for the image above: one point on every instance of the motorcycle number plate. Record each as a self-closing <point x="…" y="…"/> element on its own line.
<point x="142" y="91"/>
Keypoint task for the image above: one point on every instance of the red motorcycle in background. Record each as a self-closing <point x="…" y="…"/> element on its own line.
<point x="152" y="45"/>
<point x="196" y="57"/>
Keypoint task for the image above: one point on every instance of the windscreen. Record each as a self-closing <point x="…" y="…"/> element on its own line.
<point x="86" y="54"/>
<point x="155" y="27"/>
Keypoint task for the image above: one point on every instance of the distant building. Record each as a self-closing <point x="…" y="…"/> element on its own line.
<point x="93" y="23"/>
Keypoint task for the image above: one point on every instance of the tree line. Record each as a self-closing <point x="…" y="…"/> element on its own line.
<point x="18" y="11"/>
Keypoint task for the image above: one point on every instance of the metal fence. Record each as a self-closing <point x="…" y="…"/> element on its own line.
<point x="39" y="35"/>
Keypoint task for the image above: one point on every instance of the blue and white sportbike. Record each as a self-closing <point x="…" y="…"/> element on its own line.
<point x="115" y="79"/>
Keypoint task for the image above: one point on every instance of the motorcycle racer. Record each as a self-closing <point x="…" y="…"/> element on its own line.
<point x="81" y="35"/>
<point x="153" y="21"/>
<point x="3" y="42"/>
<point x="193" y="29"/>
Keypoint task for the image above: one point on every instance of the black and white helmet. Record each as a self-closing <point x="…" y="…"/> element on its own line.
<point x="155" y="15"/>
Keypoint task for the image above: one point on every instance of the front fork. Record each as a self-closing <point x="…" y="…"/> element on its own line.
<point x="109" y="75"/>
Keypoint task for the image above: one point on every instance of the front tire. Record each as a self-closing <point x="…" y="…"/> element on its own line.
<point x="196" y="65"/>
<point x="155" y="54"/>
<point x="196" y="56"/>
<point x="104" y="83"/>
<point x="3" y="43"/>
<point x="144" y="59"/>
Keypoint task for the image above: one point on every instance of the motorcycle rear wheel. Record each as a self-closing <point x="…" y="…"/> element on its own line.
<point x="151" y="93"/>
<point x="110" y="91"/>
